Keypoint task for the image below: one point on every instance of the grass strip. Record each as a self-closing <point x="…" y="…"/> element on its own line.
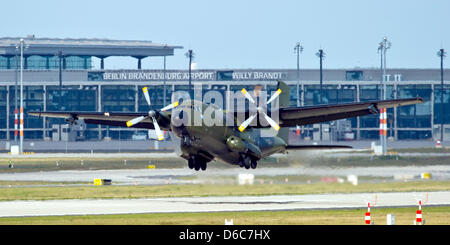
<point x="403" y="216"/>
<point x="101" y="192"/>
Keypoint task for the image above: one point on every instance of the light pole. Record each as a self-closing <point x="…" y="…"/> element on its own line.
<point x="61" y="57"/>
<point x="383" y="46"/>
<point x="321" y="56"/>
<point x="190" y="55"/>
<point x="15" y="95"/>
<point x="164" y="82"/>
<point x="298" y="49"/>
<point x="22" y="43"/>
<point x="386" y="45"/>
<point x="380" y="50"/>
<point x="441" y="53"/>
<point x="164" y="79"/>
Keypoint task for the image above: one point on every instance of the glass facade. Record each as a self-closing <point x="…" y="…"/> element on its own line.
<point x="331" y="94"/>
<point x="119" y="98"/>
<point x="414" y="116"/>
<point x="37" y="62"/>
<point x="156" y="97"/>
<point x="408" y="122"/>
<point x="441" y="107"/>
<point x="33" y="101"/>
<point x="3" y="101"/>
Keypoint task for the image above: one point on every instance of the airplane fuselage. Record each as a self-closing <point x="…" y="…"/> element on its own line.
<point x="222" y="142"/>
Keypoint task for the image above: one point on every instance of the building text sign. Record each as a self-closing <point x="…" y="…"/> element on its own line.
<point x="157" y="76"/>
<point x="199" y="75"/>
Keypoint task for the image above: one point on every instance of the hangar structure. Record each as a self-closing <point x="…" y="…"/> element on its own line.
<point x="87" y="89"/>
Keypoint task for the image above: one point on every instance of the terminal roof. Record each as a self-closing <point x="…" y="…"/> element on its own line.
<point x="85" y="47"/>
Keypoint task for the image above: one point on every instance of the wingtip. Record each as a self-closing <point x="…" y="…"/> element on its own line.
<point x="34" y="113"/>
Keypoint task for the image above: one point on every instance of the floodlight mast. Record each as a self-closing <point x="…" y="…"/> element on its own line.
<point x="298" y="49"/>
<point x="190" y="55"/>
<point x="60" y="57"/>
<point x="380" y="50"/>
<point x="22" y="42"/>
<point x="442" y="54"/>
<point x="15" y="93"/>
<point x="383" y="46"/>
<point x="386" y="45"/>
<point x="321" y="56"/>
<point x="164" y="81"/>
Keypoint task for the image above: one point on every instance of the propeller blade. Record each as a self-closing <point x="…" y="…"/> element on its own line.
<point x="171" y="106"/>
<point x="159" y="133"/>
<point x="135" y="121"/>
<point x="274" y="96"/>
<point x="247" y="122"/>
<point x="247" y="95"/>
<point x="271" y="122"/>
<point x="147" y="97"/>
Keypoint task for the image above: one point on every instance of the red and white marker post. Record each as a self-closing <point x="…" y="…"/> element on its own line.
<point x="16" y="122"/>
<point x="419" y="220"/>
<point x="367" y="218"/>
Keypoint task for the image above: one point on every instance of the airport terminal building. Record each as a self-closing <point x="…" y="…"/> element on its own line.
<point x="58" y="75"/>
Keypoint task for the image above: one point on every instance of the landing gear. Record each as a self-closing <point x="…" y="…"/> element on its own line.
<point x="253" y="163"/>
<point x="191" y="163"/>
<point x="241" y="161"/>
<point x="203" y="164"/>
<point x="247" y="162"/>
<point x="197" y="163"/>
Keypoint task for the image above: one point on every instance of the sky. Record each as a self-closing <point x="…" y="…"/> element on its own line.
<point x="243" y="34"/>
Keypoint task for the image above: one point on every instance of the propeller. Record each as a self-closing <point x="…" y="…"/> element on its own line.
<point x="259" y="109"/>
<point x="151" y="114"/>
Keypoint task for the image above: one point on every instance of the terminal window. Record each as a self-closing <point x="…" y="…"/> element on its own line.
<point x="354" y="75"/>
<point x="225" y="75"/>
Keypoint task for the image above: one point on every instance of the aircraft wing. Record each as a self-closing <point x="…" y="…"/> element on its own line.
<point x="317" y="147"/>
<point x="292" y="116"/>
<point x="103" y="118"/>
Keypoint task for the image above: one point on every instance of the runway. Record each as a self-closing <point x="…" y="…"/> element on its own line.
<point x="179" y="175"/>
<point x="219" y="204"/>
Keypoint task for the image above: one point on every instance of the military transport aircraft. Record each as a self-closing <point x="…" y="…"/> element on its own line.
<point x="241" y="144"/>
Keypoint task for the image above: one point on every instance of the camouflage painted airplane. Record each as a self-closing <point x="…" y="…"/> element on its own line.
<point x="241" y="145"/>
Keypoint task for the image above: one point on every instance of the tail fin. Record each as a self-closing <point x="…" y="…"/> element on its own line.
<point x="284" y="102"/>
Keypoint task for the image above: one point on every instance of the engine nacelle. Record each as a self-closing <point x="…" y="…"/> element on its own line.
<point x="236" y="144"/>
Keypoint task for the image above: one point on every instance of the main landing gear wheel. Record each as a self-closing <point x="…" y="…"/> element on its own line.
<point x="203" y="165"/>
<point x="197" y="163"/>
<point x="244" y="161"/>
<point x="191" y="162"/>
<point x="247" y="162"/>
<point x="241" y="162"/>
